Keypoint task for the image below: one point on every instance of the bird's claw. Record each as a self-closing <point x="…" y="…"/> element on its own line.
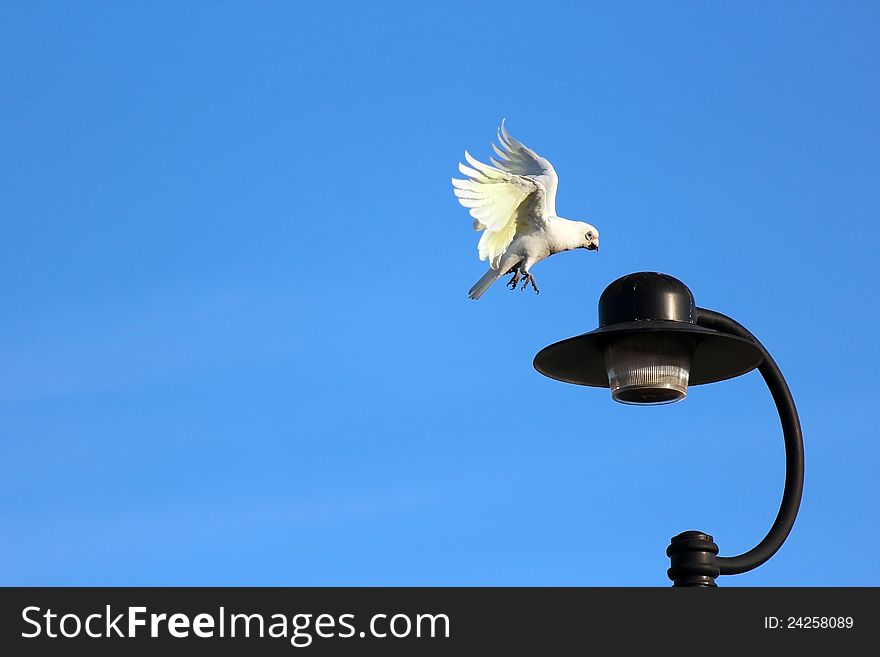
<point x="513" y="281"/>
<point x="526" y="279"/>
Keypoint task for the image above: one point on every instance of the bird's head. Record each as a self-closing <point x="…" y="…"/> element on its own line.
<point x="589" y="236"/>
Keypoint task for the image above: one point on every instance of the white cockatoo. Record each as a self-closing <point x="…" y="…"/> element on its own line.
<point x="514" y="203"/>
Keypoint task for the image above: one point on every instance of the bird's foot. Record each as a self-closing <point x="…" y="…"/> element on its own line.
<point x="528" y="278"/>
<point x="513" y="281"/>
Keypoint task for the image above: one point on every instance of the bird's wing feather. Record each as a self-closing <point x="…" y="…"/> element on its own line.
<point x="517" y="158"/>
<point x="495" y="199"/>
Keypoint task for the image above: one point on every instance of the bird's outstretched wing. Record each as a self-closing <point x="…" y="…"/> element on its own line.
<point x="497" y="200"/>
<point x="517" y="158"/>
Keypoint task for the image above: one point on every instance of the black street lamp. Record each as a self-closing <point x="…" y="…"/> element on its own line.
<point x="651" y="344"/>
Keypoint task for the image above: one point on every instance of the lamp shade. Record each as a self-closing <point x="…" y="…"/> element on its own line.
<point x="648" y="347"/>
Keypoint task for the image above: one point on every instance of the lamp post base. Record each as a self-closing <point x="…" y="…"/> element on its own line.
<point x="692" y="558"/>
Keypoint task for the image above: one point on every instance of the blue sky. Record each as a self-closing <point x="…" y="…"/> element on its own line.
<point x="235" y="342"/>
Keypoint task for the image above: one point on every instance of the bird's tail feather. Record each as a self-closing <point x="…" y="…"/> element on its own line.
<point x="483" y="284"/>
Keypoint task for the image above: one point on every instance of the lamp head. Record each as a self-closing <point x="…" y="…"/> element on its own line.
<point x="648" y="348"/>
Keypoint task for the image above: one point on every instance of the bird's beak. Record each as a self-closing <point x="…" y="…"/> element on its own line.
<point x="592" y="246"/>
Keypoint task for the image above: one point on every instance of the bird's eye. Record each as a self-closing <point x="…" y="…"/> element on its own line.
<point x="589" y="235"/>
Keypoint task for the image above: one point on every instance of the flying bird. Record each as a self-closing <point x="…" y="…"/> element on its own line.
<point x="513" y="201"/>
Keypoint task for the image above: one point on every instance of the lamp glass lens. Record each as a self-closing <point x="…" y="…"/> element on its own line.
<point x="649" y="368"/>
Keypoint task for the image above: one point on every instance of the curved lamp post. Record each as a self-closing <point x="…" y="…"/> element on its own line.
<point x="651" y="344"/>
